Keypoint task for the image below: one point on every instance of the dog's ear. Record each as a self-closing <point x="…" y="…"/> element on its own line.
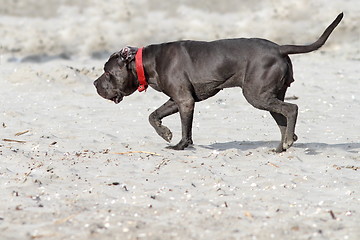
<point x="127" y="54"/>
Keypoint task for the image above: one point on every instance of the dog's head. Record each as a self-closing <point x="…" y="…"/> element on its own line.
<point x="118" y="79"/>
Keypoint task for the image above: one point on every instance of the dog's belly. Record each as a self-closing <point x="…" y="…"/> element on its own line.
<point x="207" y="85"/>
<point x="204" y="89"/>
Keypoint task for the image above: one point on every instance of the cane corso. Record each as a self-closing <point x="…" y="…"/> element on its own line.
<point x="192" y="71"/>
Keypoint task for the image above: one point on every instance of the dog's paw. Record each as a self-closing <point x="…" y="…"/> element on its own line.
<point x="287" y="143"/>
<point x="181" y="145"/>
<point x="165" y="133"/>
<point x="176" y="147"/>
<point x="279" y="149"/>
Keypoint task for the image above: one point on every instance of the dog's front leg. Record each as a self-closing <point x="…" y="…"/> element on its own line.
<point x="186" y="109"/>
<point x="168" y="108"/>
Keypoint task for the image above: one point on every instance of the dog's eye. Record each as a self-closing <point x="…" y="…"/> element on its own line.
<point x="107" y="74"/>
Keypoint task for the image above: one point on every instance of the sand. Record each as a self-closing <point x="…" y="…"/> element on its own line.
<point x="75" y="166"/>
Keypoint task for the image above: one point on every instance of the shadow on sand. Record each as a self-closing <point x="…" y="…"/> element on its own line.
<point x="309" y="148"/>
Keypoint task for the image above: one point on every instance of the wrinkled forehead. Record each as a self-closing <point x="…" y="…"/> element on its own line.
<point x="114" y="63"/>
<point x="111" y="64"/>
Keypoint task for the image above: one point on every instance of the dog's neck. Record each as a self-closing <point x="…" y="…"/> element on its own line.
<point x="140" y="70"/>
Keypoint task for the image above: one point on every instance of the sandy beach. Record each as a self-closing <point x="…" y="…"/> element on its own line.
<point x="76" y="166"/>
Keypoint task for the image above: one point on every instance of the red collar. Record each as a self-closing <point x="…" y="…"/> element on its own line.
<point x="140" y="70"/>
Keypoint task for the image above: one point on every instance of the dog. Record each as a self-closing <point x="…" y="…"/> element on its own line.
<point x="192" y="71"/>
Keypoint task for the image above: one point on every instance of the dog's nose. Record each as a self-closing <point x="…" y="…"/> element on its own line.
<point x="95" y="82"/>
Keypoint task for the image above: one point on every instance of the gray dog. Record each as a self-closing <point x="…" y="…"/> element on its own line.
<point x="192" y="71"/>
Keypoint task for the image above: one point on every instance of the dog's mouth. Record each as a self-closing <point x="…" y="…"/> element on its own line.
<point x="117" y="99"/>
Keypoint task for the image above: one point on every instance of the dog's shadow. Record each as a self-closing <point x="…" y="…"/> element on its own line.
<point x="309" y="148"/>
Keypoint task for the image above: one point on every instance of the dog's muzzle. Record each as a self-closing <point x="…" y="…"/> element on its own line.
<point x="117" y="99"/>
<point x="115" y="96"/>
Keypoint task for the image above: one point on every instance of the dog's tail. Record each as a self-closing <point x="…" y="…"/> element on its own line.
<point x="296" y="49"/>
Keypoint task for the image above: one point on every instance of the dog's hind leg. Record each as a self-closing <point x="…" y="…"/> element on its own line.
<point x="168" y="108"/>
<point x="285" y="114"/>
<point x="281" y="121"/>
